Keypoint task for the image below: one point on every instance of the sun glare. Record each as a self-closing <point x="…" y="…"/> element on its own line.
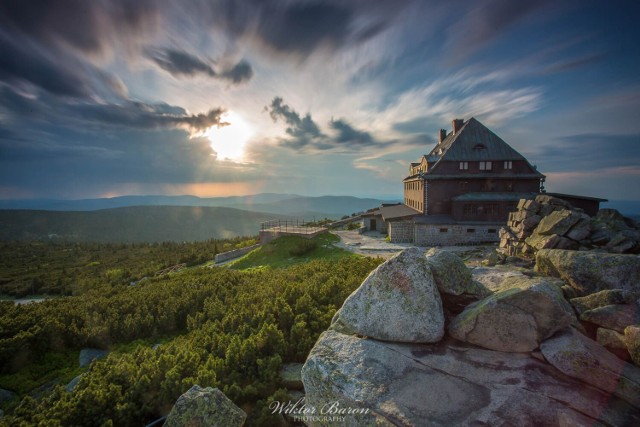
<point x="229" y="141"/>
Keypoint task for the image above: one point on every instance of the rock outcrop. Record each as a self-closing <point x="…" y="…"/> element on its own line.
<point x="510" y="358"/>
<point x="448" y="383"/>
<point x="398" y="301"/>
<point x="552" y="223"/>
<point x="88" y="355"/>
<point x="515" y="319"/>
<point x="205" y="407"/>
<point x="590" y="272"/>
<point x="6" y="395"/>
<point x="579" y="357"/>
<point x="450" y="273"/>
<point x="632" y="341"/>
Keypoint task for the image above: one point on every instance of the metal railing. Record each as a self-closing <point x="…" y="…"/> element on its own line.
<point x="292" y="225"/>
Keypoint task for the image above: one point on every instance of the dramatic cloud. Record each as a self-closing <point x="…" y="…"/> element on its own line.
<point x="88" y="26"/>
<point x="179" y="63"/>
<point x="119" y="95"/>
<point x="87" y="114"/>
<point x="301" y="28"/>
<point x="592" y="152"/>
<point x="487" y="20"/>
<point x="304" y="133"/>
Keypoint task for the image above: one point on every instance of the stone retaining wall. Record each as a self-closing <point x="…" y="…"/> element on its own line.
<point x="442" y="234"/>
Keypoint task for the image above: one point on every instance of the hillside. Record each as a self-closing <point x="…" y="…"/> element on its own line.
<point x="132" y="224"/>
<point x="214" y="326"/>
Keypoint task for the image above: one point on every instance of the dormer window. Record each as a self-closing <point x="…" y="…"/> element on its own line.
<point x="479" y="147"/>
<point x="485" y="166"/>
<point x="464" y="166"/>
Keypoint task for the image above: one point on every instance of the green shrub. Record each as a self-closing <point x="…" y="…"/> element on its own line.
<point x="303" y="247"/>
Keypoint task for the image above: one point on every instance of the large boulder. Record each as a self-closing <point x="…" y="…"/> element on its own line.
<point x="590" y="272"/>
<point x="88" y="355"/>
<point x="632" y="341"/>
<point x="449" y="271"/>
<point x="610" y="339"/>
<point x="398" y="301"/>
<point x="580" y="357"/>
<point x="6" y="395"/>
<point x="515" y="319"/>
<point x="493" y="278"/>
<point x="445" y="384"/>
<point x="602" y="298"/>
<point x="616" y="317"/>
<point x="205" y="407"/>
<point x="559" y="222"/>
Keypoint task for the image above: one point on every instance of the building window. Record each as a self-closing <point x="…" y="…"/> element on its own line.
<point x="471" y="230"/>
<point x="492" y="230"/>
<point x="508" y="164"/>
<point x="464" y="186"/>
<point x="508" y="186"/>
<point x="444" y="230"/>
<point x="491" y="209"/>
<point x="485" y="166"/>
<point x="469" y="209"/>
<point x="464" y="166"/>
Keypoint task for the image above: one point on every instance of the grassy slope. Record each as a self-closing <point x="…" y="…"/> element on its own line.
<point x="276" y="254"/>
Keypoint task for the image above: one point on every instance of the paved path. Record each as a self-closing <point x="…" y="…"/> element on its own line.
<point x="374" y="244"/>
<point x="370" y="243"/>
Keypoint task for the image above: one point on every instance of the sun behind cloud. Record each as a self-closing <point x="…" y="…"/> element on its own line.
<point x="229" y="141"/>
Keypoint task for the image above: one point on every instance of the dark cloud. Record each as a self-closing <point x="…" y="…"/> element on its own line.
<point x="85" y="25"/>
<point x="239" y="73"/>
<point x="574" y="63"/>
<point x="304" y="133"/>
<point x="485" y="22"/>
<point x="348" y="135"/>
<point x="589" y="152"/>
<point x="24" y="62"/>
<point x="179" y="63"/>
<point x="141" y="115"/>
<point x="300" y="28"/>
<point x="91" y="115"/>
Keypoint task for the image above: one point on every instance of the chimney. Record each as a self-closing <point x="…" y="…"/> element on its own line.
<point x="442" y="135"/>
<point x="456" y="124"/>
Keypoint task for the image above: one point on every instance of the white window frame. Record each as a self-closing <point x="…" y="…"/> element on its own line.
<point x="485" y="166"/>
<point x="508" y="164"/>
<point x="464" y="166"/>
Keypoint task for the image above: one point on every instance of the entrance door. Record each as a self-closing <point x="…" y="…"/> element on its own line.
<point x="373" y="225"/>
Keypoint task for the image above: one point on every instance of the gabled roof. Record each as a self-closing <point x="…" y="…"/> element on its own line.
<point x="474" y="142"/>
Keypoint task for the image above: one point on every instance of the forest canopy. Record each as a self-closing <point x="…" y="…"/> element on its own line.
<point x="216" y="327"/>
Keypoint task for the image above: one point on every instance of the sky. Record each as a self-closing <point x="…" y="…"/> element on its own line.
<point x="228" y="97"/>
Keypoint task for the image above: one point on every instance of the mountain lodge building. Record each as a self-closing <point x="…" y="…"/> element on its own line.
<point x="462" y="191"/>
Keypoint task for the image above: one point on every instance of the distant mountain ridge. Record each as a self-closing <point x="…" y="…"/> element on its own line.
<point x="181" y="218"/>
<point x="136" y="224"/>
<point x="285" y="204"/>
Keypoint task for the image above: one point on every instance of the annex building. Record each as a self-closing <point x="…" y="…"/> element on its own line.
<point x="462" y="191"/>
